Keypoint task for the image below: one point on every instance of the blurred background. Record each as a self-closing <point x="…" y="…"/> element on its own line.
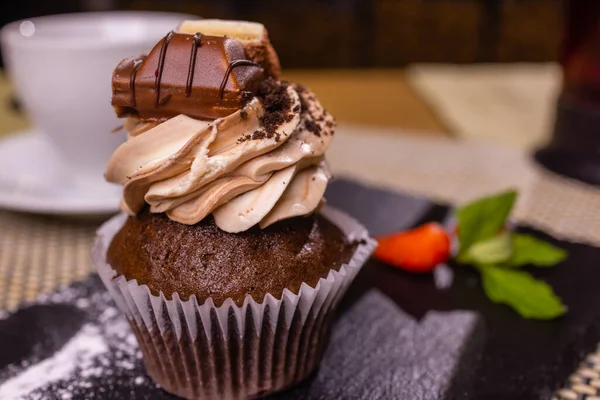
<point x="366" y="33"/>
<point x="343" y="47"/>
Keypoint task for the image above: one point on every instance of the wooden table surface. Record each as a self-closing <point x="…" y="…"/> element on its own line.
<point x="368" y="97"/>
<point x="371" y="97"/>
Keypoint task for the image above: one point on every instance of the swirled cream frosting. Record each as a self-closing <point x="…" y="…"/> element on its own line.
<point x="259" y="164"/>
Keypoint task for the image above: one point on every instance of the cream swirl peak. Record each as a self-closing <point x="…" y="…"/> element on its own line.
<point x="260" y="162"/>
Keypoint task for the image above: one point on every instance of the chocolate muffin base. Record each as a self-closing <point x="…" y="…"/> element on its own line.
<point x="205" y="261"/>
<point x="203" y="351"/>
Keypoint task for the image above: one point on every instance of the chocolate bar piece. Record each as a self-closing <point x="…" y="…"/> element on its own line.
<point x="252" y="35"/>
<point x="204" y="77"/>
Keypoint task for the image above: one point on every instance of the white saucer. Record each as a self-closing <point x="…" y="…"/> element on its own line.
<point x="33" y="179"/>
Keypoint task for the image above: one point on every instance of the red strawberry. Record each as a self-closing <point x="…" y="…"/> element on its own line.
<point x="417" y="250"/>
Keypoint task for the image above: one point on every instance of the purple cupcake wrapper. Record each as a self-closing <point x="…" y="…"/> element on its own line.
<point x="202" y="351"/>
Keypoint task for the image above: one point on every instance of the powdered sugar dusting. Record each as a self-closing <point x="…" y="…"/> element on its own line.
<point x="79" y="352"/>
<point x="100" y="352"/>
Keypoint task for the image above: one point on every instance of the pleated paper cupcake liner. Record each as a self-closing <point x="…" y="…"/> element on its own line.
<point x="201" y="351"/>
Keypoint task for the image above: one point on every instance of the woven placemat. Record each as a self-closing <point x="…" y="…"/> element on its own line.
<point x="583" y="384"/>
<point x="40" y="253"/>
<point x="511" y="104"/>
<point x="455" y="172"/>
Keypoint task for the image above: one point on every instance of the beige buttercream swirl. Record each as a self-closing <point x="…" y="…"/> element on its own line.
<point x="189" y="168"/>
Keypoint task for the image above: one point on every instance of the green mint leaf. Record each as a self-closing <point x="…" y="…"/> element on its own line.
<point x="495" y="250"/>
<point x="483" y="219"/>
<point x="529" y="250"/>
<point x="532" y="298"/>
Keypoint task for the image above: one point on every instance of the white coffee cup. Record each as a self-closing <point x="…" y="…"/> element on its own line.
<point x="61" y="68"/>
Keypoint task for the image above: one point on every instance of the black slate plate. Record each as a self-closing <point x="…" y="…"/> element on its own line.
<point x="399" y="336"/>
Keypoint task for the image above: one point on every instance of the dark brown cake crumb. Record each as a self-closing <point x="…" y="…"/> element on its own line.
<point x="259" y="135"/>
<point x="206" y="261"/>
<point x="301" y="90"/>
<point x="313" y="127"/>
<point x="244" y="139"/>
<point x="277" y="103"/>
<point x="243" y="113"/>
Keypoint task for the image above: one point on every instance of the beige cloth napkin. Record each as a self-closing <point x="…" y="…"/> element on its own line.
<point x="511" y="104"/>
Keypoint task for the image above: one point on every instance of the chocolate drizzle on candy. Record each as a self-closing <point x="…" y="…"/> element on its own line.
<point x="161" y="67"/>
<point x="204" y="77"/>
<point x="136" y="66"/>
<point x="197" y="42"/>
<point x="232" y="65"/>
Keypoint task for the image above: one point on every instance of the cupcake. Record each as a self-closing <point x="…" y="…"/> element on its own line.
<point x="224" y="260"/>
